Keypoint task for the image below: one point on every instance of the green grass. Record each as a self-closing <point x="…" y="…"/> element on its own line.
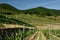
<point x="7" y="20"/>
<point x="15" y="34"/>
<point x="33" y="19"/>
<point x="53" y="38"/>
<point x="56" y="32"/>
<point x="46" y="33"/>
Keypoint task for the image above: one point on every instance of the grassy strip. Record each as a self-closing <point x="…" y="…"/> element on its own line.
<point x="56" y="32"/>
<point x="53" y="37"/>
<point x="46" y="33"/>
<point x="32" y="19"/>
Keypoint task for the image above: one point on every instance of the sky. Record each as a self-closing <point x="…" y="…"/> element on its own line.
<point x="28" y="4"/>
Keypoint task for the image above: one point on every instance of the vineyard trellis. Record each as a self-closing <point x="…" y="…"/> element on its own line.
<point x="16" y="33"/>
<point x="51" y="32"/>
<point x="21" y="33"/>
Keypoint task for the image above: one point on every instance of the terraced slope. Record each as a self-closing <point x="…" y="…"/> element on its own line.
<point x="7" y="20"/>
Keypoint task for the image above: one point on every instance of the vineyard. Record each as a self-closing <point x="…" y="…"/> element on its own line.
<point x="29" y="34"/>
<point x="22" y="29"/>
<point x="32" y="24"/>
<point x="15" y="33"/>
<point x="51" y="34"/>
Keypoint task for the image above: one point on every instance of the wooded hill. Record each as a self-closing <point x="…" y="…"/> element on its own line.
<point x="40" y="11"/>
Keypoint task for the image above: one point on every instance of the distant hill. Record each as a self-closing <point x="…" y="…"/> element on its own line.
<point x="7" y="7"/>
<point x="42" y="11"/>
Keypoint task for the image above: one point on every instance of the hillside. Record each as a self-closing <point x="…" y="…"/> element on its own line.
<point x="32" y="17"/>
<point x="7" y="7"/>
<point x="32" y="24"/>
<point x="6" y="10"/>
<point x="7" y="20"/>
<point x="42" y="11"/>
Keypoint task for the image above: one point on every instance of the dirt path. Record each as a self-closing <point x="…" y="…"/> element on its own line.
<point x="51" y="26"/>
<point x="38" y="36"/>
<point x="42" y="36"/>
<point x="32" y="36"/>
<point x="15" y="26"/>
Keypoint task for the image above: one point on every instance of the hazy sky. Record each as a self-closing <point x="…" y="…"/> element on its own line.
<point x="27" y="4"/>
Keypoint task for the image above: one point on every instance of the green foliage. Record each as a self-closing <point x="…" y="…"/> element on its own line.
<point x="7" y="20"/>
<point x="1" y="25"/>
<point x="41" y="11"/>
<point x="56" y="32"/>
<point x="46" y="33"/>
<point x="7" y="7"/>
